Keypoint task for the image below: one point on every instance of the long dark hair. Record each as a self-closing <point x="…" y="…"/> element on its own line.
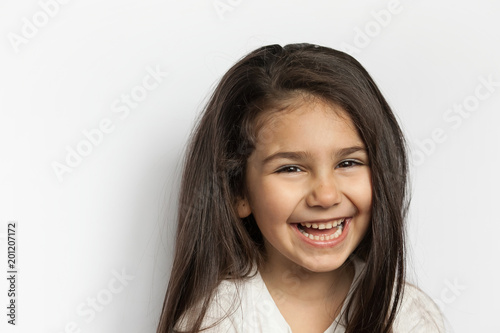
<point x="214" y="244"/>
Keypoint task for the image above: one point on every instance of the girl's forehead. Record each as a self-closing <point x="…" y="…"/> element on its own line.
<point x="297" y="108"/>
<point x="310" y="126"/>
<point x="318" y="131"/>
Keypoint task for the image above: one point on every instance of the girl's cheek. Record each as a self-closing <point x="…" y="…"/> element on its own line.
<point x="357" y="187"/>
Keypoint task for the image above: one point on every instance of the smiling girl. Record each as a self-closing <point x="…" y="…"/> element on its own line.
<point x="293" y="204"/>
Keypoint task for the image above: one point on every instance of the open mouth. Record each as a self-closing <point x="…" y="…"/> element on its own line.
<point x="323" y="231"/>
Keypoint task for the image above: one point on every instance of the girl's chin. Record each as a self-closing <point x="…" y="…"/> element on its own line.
<point x="319" y="268"/>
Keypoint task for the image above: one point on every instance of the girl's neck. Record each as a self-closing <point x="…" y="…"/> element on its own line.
<point x="287" y="279"/>
<point x="308" y="301"/>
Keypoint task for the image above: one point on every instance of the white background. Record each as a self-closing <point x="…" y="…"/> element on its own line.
<point x="113" y="213"/>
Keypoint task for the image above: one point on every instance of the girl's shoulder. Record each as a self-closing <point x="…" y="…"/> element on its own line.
<point x="418" y="313"/>
<point x="240" y="306"/>
<point x="218" y="315"/>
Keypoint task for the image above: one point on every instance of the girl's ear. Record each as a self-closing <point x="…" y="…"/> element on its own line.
<point x="243" y="208"/>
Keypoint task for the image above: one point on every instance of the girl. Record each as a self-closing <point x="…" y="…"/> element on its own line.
<point x="292" y="205"/>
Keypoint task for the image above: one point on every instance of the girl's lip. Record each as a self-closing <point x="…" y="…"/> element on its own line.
<point x="326" y="243"/>
<point x="325" y="220"/>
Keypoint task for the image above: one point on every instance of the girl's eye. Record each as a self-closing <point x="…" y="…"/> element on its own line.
<point x="348" y="164"/>
<point x="289" y="169"/>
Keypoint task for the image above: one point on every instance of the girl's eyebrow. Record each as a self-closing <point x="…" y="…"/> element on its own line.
<point x="291" y="155"/>
<point x="350" y="150"/>
<point x="302" y="155"/>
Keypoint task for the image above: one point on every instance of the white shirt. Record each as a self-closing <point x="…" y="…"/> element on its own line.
<point x="252" y="309"/>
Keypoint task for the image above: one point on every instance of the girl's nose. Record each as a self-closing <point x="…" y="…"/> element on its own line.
<point x="324" y="193"/>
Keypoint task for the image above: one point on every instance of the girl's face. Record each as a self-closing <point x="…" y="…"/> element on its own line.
<point x="309" y="187"/>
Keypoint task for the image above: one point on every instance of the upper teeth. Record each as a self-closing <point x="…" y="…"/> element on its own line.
<point x="327" y="225"/>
